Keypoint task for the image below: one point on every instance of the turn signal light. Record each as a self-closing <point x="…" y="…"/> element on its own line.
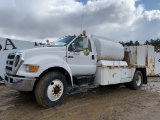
<point x="32" y="68"/>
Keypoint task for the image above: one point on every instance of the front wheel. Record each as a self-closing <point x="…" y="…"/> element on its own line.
<point x="137" y="80"/>
<point x="51" y="89"/>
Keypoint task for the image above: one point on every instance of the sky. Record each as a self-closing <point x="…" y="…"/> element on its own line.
<point x="121" y="20"/>
<point x="150" y="4"/>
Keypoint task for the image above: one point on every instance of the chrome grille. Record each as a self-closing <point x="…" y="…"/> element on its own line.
<point x="11" y="56"/>
<point x="9" y="62"/>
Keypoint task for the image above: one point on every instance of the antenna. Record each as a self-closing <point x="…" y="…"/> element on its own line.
<point x="82" y="19"/>
<point x="42" y="35"/>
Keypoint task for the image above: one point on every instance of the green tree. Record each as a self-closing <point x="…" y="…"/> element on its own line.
<point x="153" y="42"/>
<point x="136" y="43"/>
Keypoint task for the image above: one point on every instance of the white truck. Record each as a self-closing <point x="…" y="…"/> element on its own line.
<point x="50" y="71"/>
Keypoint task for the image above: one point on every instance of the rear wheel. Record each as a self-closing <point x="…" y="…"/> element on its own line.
<point x="51" y="89"/>
<point x="137" y="80"/>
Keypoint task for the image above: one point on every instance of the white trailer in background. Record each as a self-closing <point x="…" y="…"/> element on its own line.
<point x="9" y="46"/>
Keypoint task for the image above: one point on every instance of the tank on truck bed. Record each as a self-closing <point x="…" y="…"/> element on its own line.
<point x="108" y="49"/>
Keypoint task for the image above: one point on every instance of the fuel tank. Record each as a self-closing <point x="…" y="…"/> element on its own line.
<point x="108" y="49"/>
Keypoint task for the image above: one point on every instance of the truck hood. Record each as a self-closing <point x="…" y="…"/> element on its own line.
<point x="43" y="51"/>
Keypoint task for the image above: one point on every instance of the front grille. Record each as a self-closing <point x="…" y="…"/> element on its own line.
<point x="11" y="56"/>
<point x="9" y="62"/>
<point x="8" y="68"/>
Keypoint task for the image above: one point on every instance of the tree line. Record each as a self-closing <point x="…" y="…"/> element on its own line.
<point x="153" y="42"/>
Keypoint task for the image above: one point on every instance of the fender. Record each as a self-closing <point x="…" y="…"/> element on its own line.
<point x="67" y="68"/>
<point x="44" y="62"/>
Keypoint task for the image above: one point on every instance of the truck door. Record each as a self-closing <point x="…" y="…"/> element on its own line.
<point x="79" y="63"/>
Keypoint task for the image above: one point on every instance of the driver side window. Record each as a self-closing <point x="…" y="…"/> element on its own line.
<point x="77" y="45"/>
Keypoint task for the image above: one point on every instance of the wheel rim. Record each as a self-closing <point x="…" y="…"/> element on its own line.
<point x="138" y="80"/>
<point x="55" y="90"/>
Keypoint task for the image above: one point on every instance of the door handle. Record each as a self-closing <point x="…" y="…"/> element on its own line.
<point x="92" y="57"/>
<point x="70" y="56"/>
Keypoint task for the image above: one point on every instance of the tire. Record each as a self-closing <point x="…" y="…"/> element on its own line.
<point x="51" y="89"/>
<point x="137" y="80"/>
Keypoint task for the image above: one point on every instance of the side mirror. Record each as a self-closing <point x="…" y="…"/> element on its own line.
<point x="85" y="42"/>
<point x="85" y="45"/>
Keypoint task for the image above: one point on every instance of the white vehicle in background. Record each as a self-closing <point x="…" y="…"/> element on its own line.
<point x="49" y="71"/>
<point x="11" y="45"/>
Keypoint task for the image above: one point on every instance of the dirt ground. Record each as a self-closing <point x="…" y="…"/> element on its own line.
<point x="105" y="103"/>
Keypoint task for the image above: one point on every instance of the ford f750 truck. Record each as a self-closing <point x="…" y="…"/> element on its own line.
<point x="50" y="71"/>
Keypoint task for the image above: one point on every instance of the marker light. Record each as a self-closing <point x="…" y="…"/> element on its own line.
<point x="32" y="68"/>
<point x="84" y="32"/>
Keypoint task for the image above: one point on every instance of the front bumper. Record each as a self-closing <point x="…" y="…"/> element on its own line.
<point x="19" y="83"/>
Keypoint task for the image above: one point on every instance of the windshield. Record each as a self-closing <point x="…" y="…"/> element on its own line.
<point x="62" y="41"/>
